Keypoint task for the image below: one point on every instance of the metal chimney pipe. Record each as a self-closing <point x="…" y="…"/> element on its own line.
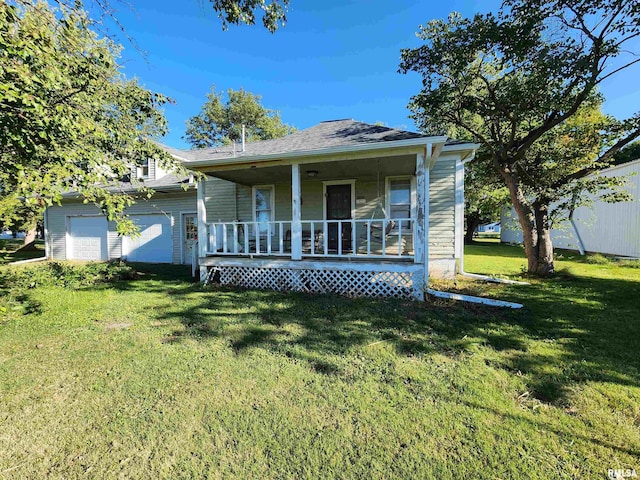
<point x="243" y="133"/>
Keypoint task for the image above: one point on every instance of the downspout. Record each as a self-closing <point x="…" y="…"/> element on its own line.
<point x="459" y="240"/>
<point x="471" y="299"/>
<point x="428" y="153"/>
<point x="459" y="198"/>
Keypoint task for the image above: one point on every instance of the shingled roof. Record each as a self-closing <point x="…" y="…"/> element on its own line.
<point x="328" y="134"/>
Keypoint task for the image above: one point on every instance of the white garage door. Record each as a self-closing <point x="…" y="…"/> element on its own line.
<point x="88" y="237"/>
<point x="155" y="243"/>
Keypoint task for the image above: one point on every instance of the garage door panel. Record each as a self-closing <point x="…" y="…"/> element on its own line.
<point x="88" y="237"/>
<point x="155" y="242"/>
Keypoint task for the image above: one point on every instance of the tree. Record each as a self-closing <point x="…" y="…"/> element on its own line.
<point x="512" y="81"/>
<point x="231" y="12"/>
<point x="236" y="12"/>
<point x="220" y="122"/>
<point x="628" y="154"/>
<point x="485" y="195"/>
<point x="70" y="121"/>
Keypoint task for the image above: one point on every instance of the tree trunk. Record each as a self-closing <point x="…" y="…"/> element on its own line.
<point x="536" y="233"/>
<point x="29" y="242"/>
<point x="472" y="223"/>
<point x="544" y="266"/>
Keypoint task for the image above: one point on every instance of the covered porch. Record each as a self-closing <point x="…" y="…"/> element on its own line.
<point x="289" y="224"/>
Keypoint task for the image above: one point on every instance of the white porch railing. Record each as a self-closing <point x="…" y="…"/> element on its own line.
<point x="373" y="238"/>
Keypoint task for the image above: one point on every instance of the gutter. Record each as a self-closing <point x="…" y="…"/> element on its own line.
<point x="157" y="189"/>
<point x="412" y="142"/>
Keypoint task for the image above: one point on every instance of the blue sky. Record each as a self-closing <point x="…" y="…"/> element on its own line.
<point x="334" y="59"/>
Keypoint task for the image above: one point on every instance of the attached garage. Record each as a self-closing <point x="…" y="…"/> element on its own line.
<point x="155" y="242"/>
<point x="87" y="238"/>
<point x="76" y="230"/>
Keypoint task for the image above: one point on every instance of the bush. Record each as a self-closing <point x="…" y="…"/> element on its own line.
<point x="597" y="259"/>
<point x="66" y="275"/>
<point x="630" y="263"/>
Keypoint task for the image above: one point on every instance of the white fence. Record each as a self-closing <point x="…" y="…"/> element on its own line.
<point x="372" y="238"/>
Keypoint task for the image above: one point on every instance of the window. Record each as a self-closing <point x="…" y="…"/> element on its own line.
<point x="143" y="169"/>
<point x="400" y="198"/>
<point x="263" y="207"/>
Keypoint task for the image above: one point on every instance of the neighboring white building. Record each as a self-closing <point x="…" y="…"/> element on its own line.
<point x="609" y="228"/>
<point x="489" y="228"/>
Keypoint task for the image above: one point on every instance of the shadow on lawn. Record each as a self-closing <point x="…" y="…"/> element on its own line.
<point x="590" y="326"/>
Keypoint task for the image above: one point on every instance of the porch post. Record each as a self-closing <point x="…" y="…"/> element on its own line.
<point x="203" y="236"/>
<point x="296" y="224"/>
<point x="421" y="225"/>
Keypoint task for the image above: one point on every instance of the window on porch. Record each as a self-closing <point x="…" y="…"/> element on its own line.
<point x="263" y="207"/>
<point x="400" y="196"/>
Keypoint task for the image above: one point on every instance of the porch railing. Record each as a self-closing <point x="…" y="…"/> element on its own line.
<point x="371" y="238"/>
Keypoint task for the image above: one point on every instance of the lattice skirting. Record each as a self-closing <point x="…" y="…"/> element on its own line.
<point x="349" y="283"/>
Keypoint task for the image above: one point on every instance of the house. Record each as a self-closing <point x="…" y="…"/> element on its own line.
<point x="609" y="228"/>
<point x="167" y="221"/>
<point x="489" y="228"/>
<point x="343" y="206"/>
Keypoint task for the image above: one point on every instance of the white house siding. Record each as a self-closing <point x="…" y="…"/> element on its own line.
<point x="220" y="200"/>
<point x="442" y="203"/>
<point x="610" y="228"/>
<point x="171" y="205"/>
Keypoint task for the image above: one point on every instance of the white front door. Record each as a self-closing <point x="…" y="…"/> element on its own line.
<point x="189" y="236"/>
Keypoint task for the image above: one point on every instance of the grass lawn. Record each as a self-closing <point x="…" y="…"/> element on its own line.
<point x="10" y="251"/>
<point x="159" y="378"/>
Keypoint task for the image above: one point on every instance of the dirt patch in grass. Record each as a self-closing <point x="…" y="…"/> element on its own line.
<point x="117" y="326"/>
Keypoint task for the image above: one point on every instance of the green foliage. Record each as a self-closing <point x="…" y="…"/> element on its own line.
<point x="629" y="263"/>
<point x="70" y="120"/>
<point x="597" y="259"/>
<point x="66" y="275"/>
<point x="484" y="194"/>
<point x="236" y="12"/>
<point x="220" y="121"/>
<point x="628" y="154"/>
<point x="561" y="167"/>
<point x="524" y="82"/>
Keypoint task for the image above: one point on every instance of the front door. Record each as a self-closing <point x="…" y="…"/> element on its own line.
<point x="189" y="236"/>
<point x="338" y="198"/>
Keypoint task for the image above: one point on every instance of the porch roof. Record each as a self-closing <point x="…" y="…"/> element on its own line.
<point x="330" y="137"/>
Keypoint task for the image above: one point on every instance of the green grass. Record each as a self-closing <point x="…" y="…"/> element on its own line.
<point x="160" y="378"/>
<point x="10" y="251"/>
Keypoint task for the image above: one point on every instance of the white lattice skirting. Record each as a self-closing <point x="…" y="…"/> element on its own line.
<point x="350" y="283"/>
